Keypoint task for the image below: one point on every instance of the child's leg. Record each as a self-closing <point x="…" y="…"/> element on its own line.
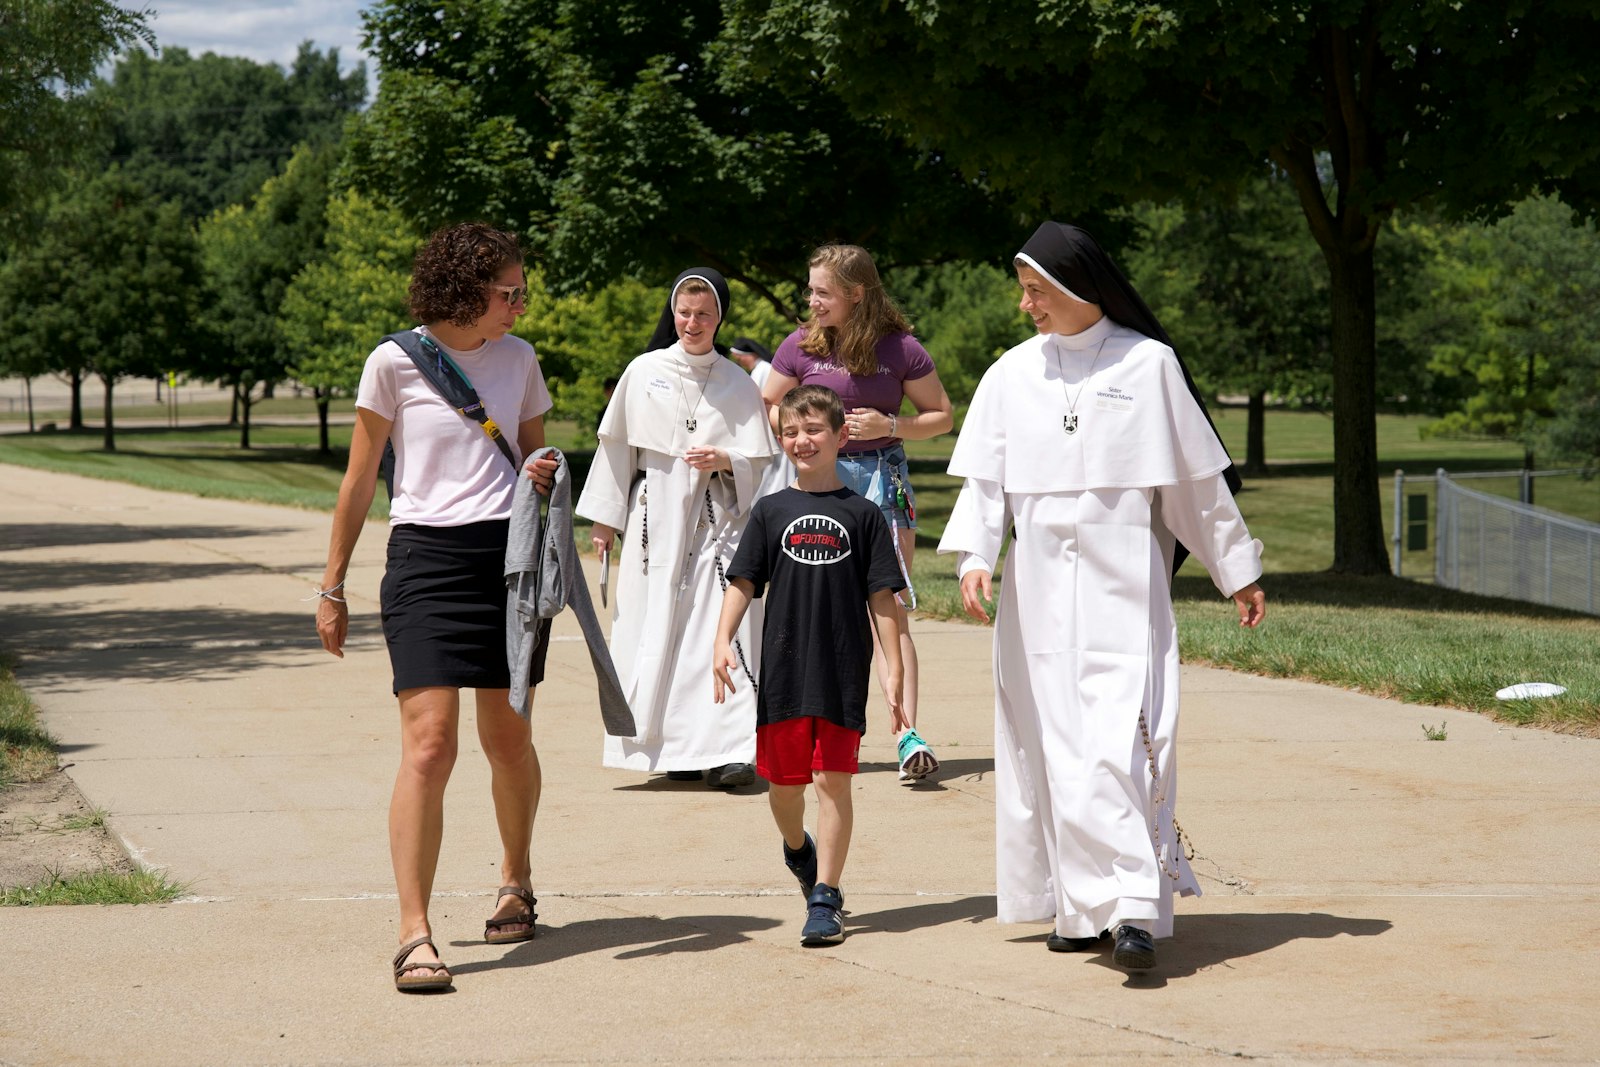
<point x="788" y="803"/>
<point x="835" y="820"/>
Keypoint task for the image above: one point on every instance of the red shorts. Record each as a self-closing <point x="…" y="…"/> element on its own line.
<point x="788" y="752"/>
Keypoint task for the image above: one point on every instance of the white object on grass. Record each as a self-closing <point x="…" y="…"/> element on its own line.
<point x="1530" y="691"/>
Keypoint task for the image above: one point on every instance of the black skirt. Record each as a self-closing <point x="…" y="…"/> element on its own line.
<point x="443" y="599"/>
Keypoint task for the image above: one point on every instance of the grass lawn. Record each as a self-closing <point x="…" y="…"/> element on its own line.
<point x="1398" y="638"/>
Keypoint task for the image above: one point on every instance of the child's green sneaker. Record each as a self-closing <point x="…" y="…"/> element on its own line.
<point x="917" y="760"/>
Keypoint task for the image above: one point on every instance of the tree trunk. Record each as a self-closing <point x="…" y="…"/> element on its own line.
<point x="1255" y="441"/>
<point x="245" y="403"/>
<point x="322" y="422"/>
<point x="28" y="384"/>
<point x="1358" y="546"/>
<point x="75" y="420"/>
<point x="109" y="440"/>
<point x="233" y="409"/>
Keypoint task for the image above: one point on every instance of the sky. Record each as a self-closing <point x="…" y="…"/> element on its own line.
<point x="262" y="30"/>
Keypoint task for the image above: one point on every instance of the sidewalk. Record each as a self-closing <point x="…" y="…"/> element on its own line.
<point x="1370" y="895"/>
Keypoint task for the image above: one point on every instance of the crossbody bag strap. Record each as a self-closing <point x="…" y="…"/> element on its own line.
<point x="452" y="383"/>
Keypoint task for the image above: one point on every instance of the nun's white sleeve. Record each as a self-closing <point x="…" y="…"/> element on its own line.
<point x="605" y="491"/>
<point x="977" y="526"/>
<point x="747" y="473"/>
<point x="1204" y="516"/>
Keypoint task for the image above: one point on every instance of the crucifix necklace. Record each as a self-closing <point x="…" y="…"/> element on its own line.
<point x="1069" y="421"/>
<point x="692" y="422"/>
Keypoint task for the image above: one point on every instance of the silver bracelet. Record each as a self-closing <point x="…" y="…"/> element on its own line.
<point x="327" y="594"/>
<point x="894" y="425"/>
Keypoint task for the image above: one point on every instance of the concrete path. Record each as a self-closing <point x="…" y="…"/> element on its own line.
<point x="1370" y="895"/>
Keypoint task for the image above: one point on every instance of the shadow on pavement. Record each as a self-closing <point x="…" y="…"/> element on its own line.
<point x="17" y="535"/>
<point x="641" y="936"/>
<point x="176" y="644"/>
<point x="30" y="576"/>
<point x="920" y="916"/>
<point x="1205" y="941"/>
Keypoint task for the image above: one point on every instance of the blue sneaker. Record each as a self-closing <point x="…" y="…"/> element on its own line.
<point x="917" y="760"/>
<point x="824" y="923"/>
<point x="803" y="865"/>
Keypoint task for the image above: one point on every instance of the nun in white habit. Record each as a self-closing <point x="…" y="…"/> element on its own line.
<point x="1090" y="442"/>
<point x="683" y="449"/>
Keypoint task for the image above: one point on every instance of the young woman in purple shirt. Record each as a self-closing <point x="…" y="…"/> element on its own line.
<point x="857" y="343"/>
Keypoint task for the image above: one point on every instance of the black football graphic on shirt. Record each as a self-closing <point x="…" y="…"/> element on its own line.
<point x="815" y="539"/>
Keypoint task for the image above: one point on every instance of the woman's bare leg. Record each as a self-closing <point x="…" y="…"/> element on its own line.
<point x="515" y="782"/>
<point x="428" y="718"/>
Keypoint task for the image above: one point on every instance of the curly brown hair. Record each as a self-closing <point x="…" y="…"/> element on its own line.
<point x="451" y="275"/>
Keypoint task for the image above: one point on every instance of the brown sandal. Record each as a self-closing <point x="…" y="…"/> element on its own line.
<point x="491" y="927"/>
<point x="406" y="982"/>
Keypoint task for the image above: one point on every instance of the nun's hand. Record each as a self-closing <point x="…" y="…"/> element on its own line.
<point x="1252" y="603"/>
<point x="707" y="458"/>
<point x="974" y="584"/>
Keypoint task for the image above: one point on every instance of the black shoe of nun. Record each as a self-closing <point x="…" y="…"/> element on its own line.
<point x="1057" y="943"/>
<point x="1135" y="949"/>
<point x="683" y="776"/>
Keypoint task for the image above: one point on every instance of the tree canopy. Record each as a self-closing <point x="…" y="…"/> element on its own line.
<point x="109" y="287"/>
<point x="251" y="254"/>
<point x="209" y="130"/>
<point x="1366" y="105"/>
<point x="622" y="138"/>
<point x="49" y="50"/>
<point x="1514" y="314"/>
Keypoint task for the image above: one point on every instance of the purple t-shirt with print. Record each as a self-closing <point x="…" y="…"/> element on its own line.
<point x="901" y="359"/>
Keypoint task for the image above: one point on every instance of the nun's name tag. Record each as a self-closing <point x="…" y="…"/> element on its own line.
<point x="1112" y="400"/>
<point x="660" y="386"/>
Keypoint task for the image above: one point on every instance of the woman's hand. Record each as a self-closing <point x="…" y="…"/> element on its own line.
<point x="866" y="424"/>
<point x="601" y="536"/>
<point x="707" y="458"/>
<point x="543" y="473"/>
<point x="333" y="623"/>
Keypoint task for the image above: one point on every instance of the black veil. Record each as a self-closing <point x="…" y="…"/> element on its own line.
<point x="1073" y="260"/>
<point x="666" y="333"/>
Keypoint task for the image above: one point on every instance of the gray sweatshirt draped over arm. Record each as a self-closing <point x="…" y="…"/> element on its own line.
<point x="544" y="575"/>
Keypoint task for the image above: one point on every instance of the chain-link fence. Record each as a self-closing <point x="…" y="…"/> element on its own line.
<point x="1498" y="547"/>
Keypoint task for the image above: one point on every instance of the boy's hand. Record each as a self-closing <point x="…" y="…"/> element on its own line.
<point x="722" y="663"/>
<point x="897" y="711"/>
<point x="975" y="583"/>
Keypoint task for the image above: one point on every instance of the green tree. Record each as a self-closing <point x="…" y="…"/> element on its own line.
<point x="584" y="338"/>
<point x="251" y="254"/>
<point x="1516" y="303"/>
<point x="210" y="130"/>
<point x="49" y="50"/>
<point x="1068" y="105"/>
<point x="1241" y="287"/>
<point x="621" y="138"/>
<point x="965" y="314"/>
<point x="343" y="302"/>
<point x="107" y="288"/>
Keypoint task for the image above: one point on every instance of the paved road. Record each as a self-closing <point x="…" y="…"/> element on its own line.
<point x="1370" y="896"/>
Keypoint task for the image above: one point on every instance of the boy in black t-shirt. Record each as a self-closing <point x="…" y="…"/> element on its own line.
<point x="826" y="553"/>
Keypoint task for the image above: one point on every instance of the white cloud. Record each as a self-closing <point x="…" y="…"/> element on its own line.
<point x="263" y="31"/>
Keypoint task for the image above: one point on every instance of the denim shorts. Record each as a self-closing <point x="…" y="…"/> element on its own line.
<point x="873" y="473"/>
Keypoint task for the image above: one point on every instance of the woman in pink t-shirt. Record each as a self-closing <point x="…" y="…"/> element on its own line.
<point x="857" y="343"/>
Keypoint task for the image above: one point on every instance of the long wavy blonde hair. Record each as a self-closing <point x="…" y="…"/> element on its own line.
<point x="854" y="345"/>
